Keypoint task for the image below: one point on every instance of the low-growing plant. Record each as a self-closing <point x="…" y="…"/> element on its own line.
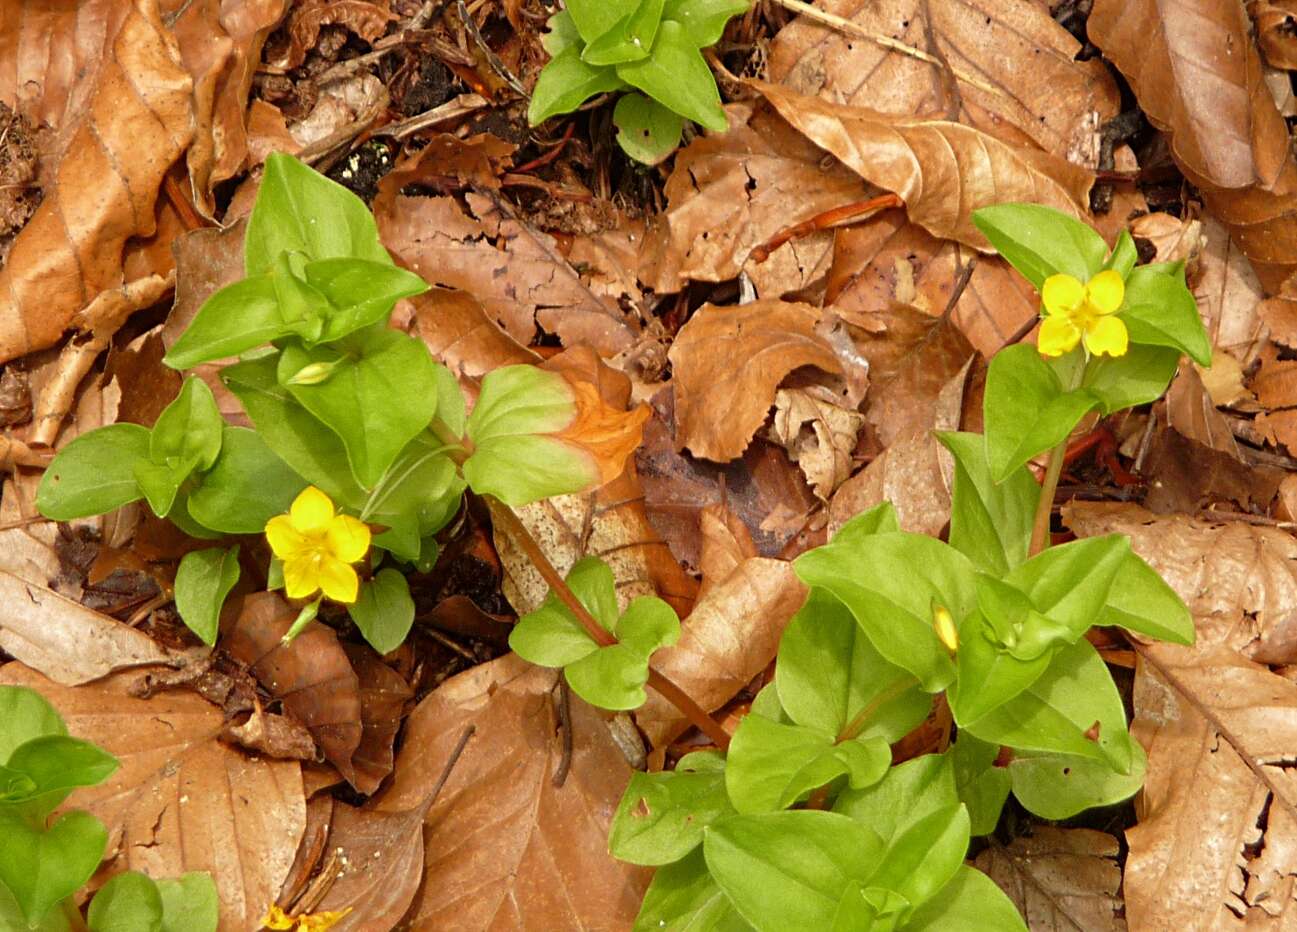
<point x="802" y="821"/>
<point x="652" y="50"/>
<point x="44" y="861"/>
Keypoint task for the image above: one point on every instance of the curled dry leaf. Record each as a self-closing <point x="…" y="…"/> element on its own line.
<point x="367" y="20"/>
<point x="1217" y="568"/>
<point x="726" y="545"/>
<point x="505" y="847"/>
<point x="384" y="694"/>
<point x="311" y="677"/>
<point x="907" y="474"/>
<point x="1056" y="103"/>
<point x="731" y="636"/>
<point x="1274" y="31"/>
<point x="943" y="171"/>
<point x="819" y="434"/>
<point x="66" y="641"/>
<point x="728" y="361"/>
<point x="1214" y="847"/>
<point x="181" y="800"/>
<point x="457" y="331"/>
<point x="730" y="193"/>
<point x="136" y="122"/>
<point x="1061" y="879"/>
<point x="1275" y="384"/>
<point x="1188" y="475"/>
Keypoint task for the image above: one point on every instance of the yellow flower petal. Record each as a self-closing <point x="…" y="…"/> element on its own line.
<point x="318" y="922"/>
<point x="302" y="576"/>
<point x="1061" y="294"/>
<point x="1058" y="335"/>
<point x="276" y="918"/>
<point x="285" y="540"/>
<point x="312" y="510"/>
<point x="348" y="538"/>
<point x="338" y="580"/>
<point x="1106" y="335"/>
<point x="1105" y="292"/>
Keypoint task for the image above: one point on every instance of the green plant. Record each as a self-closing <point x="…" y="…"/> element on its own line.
<point x="43" y="862"/>
<point x="651" y="48"/>
<point x="803" y="822"/>
<point x="350" y="417"/>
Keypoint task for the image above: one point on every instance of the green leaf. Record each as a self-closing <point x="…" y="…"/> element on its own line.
<point x="1160" y="310"/>
<point x="1054" y="714"/>
<point x="1124" y="255"/>
<point x="422" y="486"/>
<point x="551" y="636"/>
<point x="646" y="131"/>
<point x="1059" y="786"/>
<point x="562" y="33"/>
<point x="629" y="39"/>
<point x="890" y="583"/>
<point x="924" y="857"/>
<point x="25" y="715"/>
<point x="383" y="610"/>
<point x="593" y="18"/>
<point x="450" y="401"/>
<point x="42" y="772"/>
<point x="970" y="901"/>
<point x="683" y="897"/>
<point x="1142" y="602"/>
<point x="298" y="210"/>
<point x="378" y="398"/>
<point x="293" y="433"/>
<point x="128" y="902"/>
<point x="1137" y="378"/>
<point x="789" y="870"/>
<point x="829" y="672"/>
<point x="187" y="434"/>
<point x="525" y="469"/>
<point x="982" y="786"/>
<point x="160" y="485"/>
<point x="703" y="20"/>
<point x="1026" y="410"/>
<point x="42" y="867"/>
<point x="518" y="400"/>
<point x="909" y="793"/>
<point x="235" y="319"/>
<point x="613" y="677"/>
<point x="1040" y="241"/>
<point x="566" y="83"/>
<point x="246" y="487"/>
<point x="203" y="580"/>
<point x="1070" y="583"/>
<point x="189" y="903"/>
<point x="877" y="520"/>
<point x="12" y="918"/>
<point x="661" y="816"/>
<point x="1014" y="625"/>
<point x="94" y="474"/>
<point x="989" y="673"/>
<point x="360" y="292"/>
<point x="771" y="765"/>
<point x="677" y="76"/>
<point x="990" y="523"/>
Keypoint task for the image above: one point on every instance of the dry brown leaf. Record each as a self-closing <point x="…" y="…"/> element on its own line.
<point x="1191" y="410"/>
<point x="457" y="331"/>
<point x="68" y="642"/>
<point x="1044" y="96"/>
<point x="726" y="545"/>
<point x="137" y="121"/>
<point x="943" y="171"/>
<point x="819" y="434"/>
<point x="907" y="474"/>
<point x="1061" y="879"/>
<point x="384" y="694"/>
<point x="730" y="193"/>
<point x="367" y="20"/>
<point x="506" y="849"/>
<point x="381" y="857"/>
<point x="515" y="271"/>
<point x="1216" y="843"/>
<point x="1274" y="21"/>
<point x="890" y="260"/>
<point x="182" y="800"/>
<point x="1187" y="475"/>
<point x="1228" y="294"/>
<point x="731" y="636"/>
<point x="1218" y="569"/>
<point x="311" y="677"/>
<point x="1173" y="238"/>
<point x="728" y="361"/>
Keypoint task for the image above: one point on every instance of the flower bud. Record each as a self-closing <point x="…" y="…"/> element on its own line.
<point x="944" y="624"/>
<point x="314" y="373"/>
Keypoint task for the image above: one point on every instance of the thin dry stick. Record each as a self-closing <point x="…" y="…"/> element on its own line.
<point x="887" y="42"/>
<point x="669" y="691"/>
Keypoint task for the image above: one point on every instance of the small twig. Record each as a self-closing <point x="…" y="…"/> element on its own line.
<point x="961" y="283"/>
<point x="887" y="42"/>
<point x="455" y="753"/>
<point x="563" y="706"/>
<point x="492" y="59"/>
<point x="835" y="217"/>
<point x="549" y="156"/>
<point x="452" y="109"/>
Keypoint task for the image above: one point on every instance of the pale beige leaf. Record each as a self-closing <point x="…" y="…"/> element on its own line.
<point x="182" y="800"/>
<point x="943" y="171"/>
<point x="506" y="849"/>
<point x="728" y="361"/>
<point x="1061" y="879"/>
<point x="726" y="545"/>
<point x="1228" y="294"/>
<point x="907" y="474"/>
<point x="731" y="636"/>
<point x="1043" y="94"/>
<point x="66" y="641"/>
<point x="1216" y="843"/>
<point x="819" y="434"/>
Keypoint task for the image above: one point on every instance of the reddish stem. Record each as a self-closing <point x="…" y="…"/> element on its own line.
<point x="838" y="216"/>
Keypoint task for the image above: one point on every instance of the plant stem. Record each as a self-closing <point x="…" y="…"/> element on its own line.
<point x="1045" y="507"/>
<point x="517" y="531"/>
<point x="863" y="717"/>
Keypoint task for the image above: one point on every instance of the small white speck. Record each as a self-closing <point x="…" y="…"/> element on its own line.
<point x="636" y="42"/>
<point x="184" y="799"/>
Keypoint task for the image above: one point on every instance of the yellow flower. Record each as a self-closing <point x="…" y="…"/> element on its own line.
<point x="276" y="918"/>
<point x="317" y="547"/>
<point x="1076" y="312"/>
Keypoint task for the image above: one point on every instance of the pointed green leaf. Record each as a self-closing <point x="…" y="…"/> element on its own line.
<point x="235" y="319"/>
<point x="359" y="292"/>
<point x="566" y="83"/>
<point x="1142" y="602"/>
<point x="203" y="580"/>
<point x="383" y="610"/>
<point x="683" y="897"/>
<point x="1059" y="786"/>
<point x="982" y="786"/>
<point x="1040" y="241"/>
<point x="990" y="523"/>
<point x="677" y="76"/>
<point x="970" y="901"/>
<point x="1160" y="310"/>
<point x="128" y="902"/>
<point x="42" y="867"/>
<point x="189" y="903"/>
<point x="24" y="715"/>
<point x="661" y="816"/>
<point x="94" y="474"/>
<point x="629" y="40"/>
<point x="704" y="20"/>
